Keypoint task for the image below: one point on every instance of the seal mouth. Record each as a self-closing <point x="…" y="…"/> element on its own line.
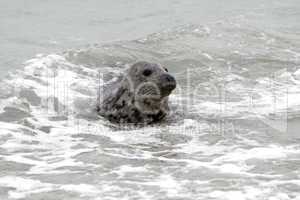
<point x="166" y="89"/>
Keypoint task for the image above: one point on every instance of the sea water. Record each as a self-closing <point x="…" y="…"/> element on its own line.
<point x="233" y="130"/>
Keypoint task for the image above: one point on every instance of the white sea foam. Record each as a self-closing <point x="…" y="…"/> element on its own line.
<point x="23" y="186"/>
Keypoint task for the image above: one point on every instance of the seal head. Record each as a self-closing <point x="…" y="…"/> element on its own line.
<point x="139" y="96"/>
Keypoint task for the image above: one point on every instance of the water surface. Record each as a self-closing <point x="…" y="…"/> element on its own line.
<point x="233" y="130"/>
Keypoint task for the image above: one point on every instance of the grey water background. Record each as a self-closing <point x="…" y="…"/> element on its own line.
<point x="233" y="132"/>
<point x="31" y="27"/>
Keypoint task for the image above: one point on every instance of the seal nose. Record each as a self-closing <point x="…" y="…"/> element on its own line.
<point x="170" y="78"/>
<point x="168" y="82"/>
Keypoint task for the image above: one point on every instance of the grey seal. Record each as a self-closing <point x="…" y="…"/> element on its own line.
<point x="139" y="95"/>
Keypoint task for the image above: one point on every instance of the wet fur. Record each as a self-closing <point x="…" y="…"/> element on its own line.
<point x="118" y="105"/>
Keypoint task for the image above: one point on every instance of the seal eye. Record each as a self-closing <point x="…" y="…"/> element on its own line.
<point x="147" y="72"/>
<point x="166" y="69"/>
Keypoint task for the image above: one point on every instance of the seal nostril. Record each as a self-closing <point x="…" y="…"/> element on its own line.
<point x="170" y="78"/>
<point x="167" y="79"/>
